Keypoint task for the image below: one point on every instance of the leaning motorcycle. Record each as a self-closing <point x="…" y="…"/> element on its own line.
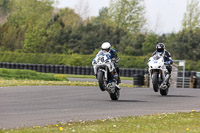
<point x="159" y="74"/>
<point x="103" y="65"/>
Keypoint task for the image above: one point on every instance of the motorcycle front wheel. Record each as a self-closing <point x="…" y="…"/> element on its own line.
<point x="115" y="95"/>
<point x="101" y="80"/>
<point x="155" y="81"/>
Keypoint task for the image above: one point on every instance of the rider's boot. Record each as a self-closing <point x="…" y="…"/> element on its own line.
<point x="117" y="72"/>
<point x="167" y="79"/>
<point x="118" y="87"/>
<point x="116" y="79"/>
<point x="111" y="79"/>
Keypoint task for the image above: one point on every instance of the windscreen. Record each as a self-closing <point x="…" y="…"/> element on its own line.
<point x="103" y="53"/>
<point x="156" y="57"/>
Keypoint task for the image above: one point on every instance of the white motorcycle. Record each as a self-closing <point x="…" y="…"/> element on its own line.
<point x="103" y="65"/>
<point x="159" y="74"/>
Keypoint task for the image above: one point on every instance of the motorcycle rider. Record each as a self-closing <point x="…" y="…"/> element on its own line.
<point x="160" y="49"/>
<point x="115" y="59"/>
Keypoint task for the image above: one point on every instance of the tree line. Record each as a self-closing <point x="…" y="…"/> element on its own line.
<point x="36" y="26"/>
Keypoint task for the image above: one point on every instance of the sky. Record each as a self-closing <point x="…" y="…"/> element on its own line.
<point x="163" y="16"/>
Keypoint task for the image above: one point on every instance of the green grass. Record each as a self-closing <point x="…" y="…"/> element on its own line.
<point x="25" y="82"/>
<point x="33" y="75"/>
<point x="29" y="74"/>
<point x="157" y="123"/>
<point x="92" y="77"/>
<point x="16" y="77"/>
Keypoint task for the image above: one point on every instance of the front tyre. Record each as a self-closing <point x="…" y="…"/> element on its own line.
<point x="115" y="95"/>
<point x="155" y="81"/>
<point x="101" y="80"/>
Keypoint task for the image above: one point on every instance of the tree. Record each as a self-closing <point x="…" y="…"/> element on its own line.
<point x="128" y="14"/>
<point x="179" y="47"/>
<point x="82" y="9"/>
<point x="87" y="38"/>
<point x="8" y="38"/>
<point x="4" y="10"/>
<point x="59" y="30"/>
<point x="188" y="39"/>
<point x="35" y="39"/>
<point x="150" y="44"/>
<point x="68" y="17"/>
<point x="31" y="12"/>
<point x="191" y="18"/>
<point x="32" y="16"/>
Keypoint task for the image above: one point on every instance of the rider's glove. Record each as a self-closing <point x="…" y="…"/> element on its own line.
<point x="94" y="62"/>
<point x="117" y="60"/>
<point x="167" y="63"/>
<point x="113" y="60"/>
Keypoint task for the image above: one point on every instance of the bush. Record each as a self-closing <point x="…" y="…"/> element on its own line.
<point x="81" y="60"/>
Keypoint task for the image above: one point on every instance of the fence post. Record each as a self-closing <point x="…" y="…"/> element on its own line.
<point x="174" y="75"/>
<point x="146" y="80"/>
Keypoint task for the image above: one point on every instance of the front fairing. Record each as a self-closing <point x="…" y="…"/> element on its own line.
<point x="103" y="60"/>
<point x="156" y="63"/>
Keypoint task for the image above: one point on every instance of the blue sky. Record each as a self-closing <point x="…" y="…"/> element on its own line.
<point x="163" y="16"/>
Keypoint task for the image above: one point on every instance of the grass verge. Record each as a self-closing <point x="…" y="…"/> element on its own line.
<point x="13" y="82"/>
<point x="16" y="77"/>
<point x="29" y="74"/>
<point x="92" y="77"/>
<point x="157" y="123"/>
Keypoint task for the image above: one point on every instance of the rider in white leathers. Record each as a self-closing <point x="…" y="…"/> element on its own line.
<point x="113" y="55"/>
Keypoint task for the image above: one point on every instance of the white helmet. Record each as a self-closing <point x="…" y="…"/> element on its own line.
<point x="106" y="46"/>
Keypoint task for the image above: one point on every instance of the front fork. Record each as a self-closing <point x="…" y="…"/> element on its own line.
<point x="105" y="73"/>
<point x="161" y="75"/>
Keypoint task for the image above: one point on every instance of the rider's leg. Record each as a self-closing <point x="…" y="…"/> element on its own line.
<point x="118" y="74"/>
<point x="169" y="68"/>
<point x="112" y="77"/>
<point x="163" y="78"/>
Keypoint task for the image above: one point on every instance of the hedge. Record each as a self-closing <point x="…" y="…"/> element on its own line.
<point x="81" y="60"/>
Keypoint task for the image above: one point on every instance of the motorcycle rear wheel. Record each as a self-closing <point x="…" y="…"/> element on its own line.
<point x="115" y="95"/>
<point x="164" y="92"/>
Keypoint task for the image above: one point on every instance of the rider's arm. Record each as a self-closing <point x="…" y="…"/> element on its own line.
<point x="153" y="53"/>
<point x="97" y="55"/>
<point x="114" y="55"/>
<point x="100" y="52"/>
<point x="170" y="61"/>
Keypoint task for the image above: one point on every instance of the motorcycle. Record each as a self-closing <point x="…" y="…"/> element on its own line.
<point x="159" y="74"/>
<point x="103" y="65"/>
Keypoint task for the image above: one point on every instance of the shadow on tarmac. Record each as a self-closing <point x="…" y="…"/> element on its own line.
<point x="173" y="96"/>
<point x="129" y="101"/>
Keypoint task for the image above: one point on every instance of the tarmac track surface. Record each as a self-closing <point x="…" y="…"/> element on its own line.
<point x="42" y="105"/>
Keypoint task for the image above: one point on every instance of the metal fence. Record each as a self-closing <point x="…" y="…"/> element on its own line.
<point x="187" y="79"/>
